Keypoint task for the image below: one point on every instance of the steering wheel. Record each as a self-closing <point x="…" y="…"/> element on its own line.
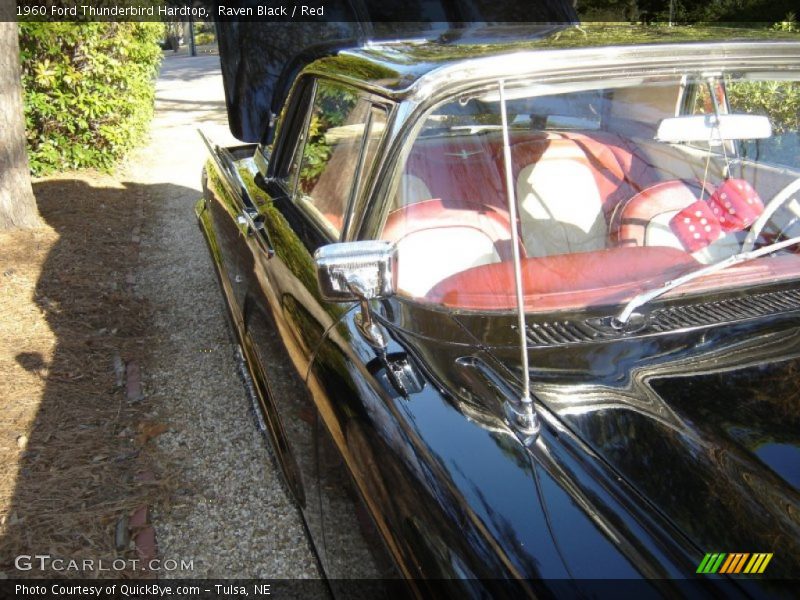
<point x="778" y="200"/>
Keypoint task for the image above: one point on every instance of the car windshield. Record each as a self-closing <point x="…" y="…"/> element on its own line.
<point x="621" y="186"/>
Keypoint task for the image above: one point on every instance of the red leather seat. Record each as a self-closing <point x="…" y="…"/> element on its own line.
<point x="631" y="219"/>
<point x="460" y="171"/>
<point x="566" y="185"/>
<point x="435" y="241"/>
<point x="466" y="172"/>
<point x="468" y="226"/>
<point x="567" y="281"/>
<point x="647" y="219"/>
<point x="617" y="166"/>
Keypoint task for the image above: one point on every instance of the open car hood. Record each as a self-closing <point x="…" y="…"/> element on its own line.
<point x="260" y="59"/>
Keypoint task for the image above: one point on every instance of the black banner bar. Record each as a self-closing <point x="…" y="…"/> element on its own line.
<point x="312" y="589"/>
<point x="751" y="12"/>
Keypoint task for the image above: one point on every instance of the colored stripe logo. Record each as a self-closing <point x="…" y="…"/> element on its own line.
<point x="734" y="563"/>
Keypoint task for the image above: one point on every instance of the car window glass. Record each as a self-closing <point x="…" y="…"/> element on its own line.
<point x="704" y="101"/>
<point x="709" y="99"/>
<point x="377" y="125"/>
<point x="330" y="154"/>
<point x="779" y="100"/>
<point x="614" y="191"/>
<point x="296" y="133"/>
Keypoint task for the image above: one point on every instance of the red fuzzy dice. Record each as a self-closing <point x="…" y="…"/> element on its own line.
<point x="696" y="226"/>
<point x="736" y="204"/>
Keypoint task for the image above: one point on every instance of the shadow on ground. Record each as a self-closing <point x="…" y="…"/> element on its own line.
<point x="80" y="461"/>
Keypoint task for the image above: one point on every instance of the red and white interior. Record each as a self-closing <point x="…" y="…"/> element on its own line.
<point x="601" y="218"/>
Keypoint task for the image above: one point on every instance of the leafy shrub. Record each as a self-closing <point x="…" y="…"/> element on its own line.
<point x="789" y="23"/>
<point x="780" y="102"/>
<point x="332" y="107"/>
<point x="88" y="90"/>
<point x="203" y="38"/>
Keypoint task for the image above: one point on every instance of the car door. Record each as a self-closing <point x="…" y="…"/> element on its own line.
<point x="321" y="151"/>
<point x="244" y="210"/>
<point x="232" y="218"/>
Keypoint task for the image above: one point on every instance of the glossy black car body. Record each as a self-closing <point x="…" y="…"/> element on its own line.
<point x="657" y="445"/>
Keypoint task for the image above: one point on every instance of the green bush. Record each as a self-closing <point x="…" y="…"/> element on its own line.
<point x="88" y="90"/>
<point x="204" y="37"/>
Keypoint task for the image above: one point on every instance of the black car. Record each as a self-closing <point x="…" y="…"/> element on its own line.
<point x="522" y="308"/>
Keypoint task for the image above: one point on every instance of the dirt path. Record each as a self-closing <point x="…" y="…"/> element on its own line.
<point x="119" y="280"/>
<point x="228" y="513"/>
<point x="69" y="322"/>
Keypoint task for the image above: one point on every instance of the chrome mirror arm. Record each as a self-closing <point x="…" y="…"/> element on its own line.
<point x="371" y="331"/>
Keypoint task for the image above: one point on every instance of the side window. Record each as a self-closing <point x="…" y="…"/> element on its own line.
<point x="291" y="124"/>
<point x="707" y="93"/>
<point x="377" y="126"/>
<point x="777" y="99"/>
<point x="326" y="168"/>
<point x="704" y="101"/>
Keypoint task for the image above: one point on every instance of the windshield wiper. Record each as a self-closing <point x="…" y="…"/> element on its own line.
<point x="641" y="299"/>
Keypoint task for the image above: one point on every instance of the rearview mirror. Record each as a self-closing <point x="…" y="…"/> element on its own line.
<point x="356" y="270"/>
<point x="713" y="128"/>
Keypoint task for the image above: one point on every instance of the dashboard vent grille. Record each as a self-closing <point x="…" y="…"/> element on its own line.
<point x="560" y="332"/>
<point x="720" y="311"/>
<point x="557" y="333"/>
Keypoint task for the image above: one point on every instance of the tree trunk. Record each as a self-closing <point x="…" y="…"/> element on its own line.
<point x="17" y="204"/>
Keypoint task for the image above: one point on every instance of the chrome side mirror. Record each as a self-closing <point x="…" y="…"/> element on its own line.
<point x="358" y="271"/>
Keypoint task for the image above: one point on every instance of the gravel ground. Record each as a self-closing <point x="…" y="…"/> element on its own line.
<point x="229" y="514"/>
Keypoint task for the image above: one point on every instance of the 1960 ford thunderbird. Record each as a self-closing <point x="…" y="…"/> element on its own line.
<point x="522" y="309"/>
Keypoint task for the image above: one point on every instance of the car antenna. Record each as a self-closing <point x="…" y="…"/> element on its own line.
<point x="520" y="413"/>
